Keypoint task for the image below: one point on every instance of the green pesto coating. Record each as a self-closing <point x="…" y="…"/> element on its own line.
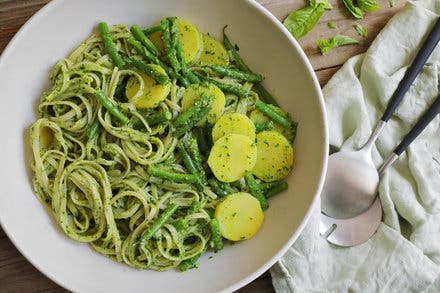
<point x="222" y="189"/>
<point x="170" y="50"/>
<point x="158" y="118"/>
<point x="273" y="114"/>
<point x="111" y="108"/>
<point x="194" y="207"/>
<point x="159" y="77"/>
<point x="109" y="46"/>
<point x="189" y="164"/>
<point x="191" y="263"/>
<point x="160" y="221"/>
<point x="234" y="73"/>
<point x="171" y="176"/>
<point x="93" y="130"/>
<point x="216" y="237"/>
<point x="194" y="151"/>
<point x="255" y="190"/>
<point x="149" y="56"/>
<point x="277" y="188"/>
<point x="141" y="37"/>
<point x="227" y="88"/>
<point x="262" y="126"/>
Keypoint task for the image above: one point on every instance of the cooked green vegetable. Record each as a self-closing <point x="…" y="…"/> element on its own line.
<point x="276" y="188"/>
<point x="160" y="221"/>
<point x="331" y="25"/>
<point x="111" y="107"/>
<point x="234" y="73"/>
<point x="163" y="173"/>
<point x="190" y="165"/>
<point x="93" y="130"/>
<point x="170" y="50"/>
<point x="361" y="30"/>
<point x="149" y="70"/>
<point x="141" y="37"/>
<point x="227" y="88"/>
<point x="300" y="22"/>
<point x="109" y="46"/>
<point x="194" y="151"/>
<point x="354" y="10"/>
<point x="216" y="239"/>
<point x="273" y="114"/>
<point x="261" y="126"/>
<point x="153" y="29"/>
<point x="326" y="46"/>
<point x="158" y="118"/>
<point x="255" y="190"/>
<point x="368" y="5"/>
<point x="221" y="188"/>
<point x="191" y="263"/>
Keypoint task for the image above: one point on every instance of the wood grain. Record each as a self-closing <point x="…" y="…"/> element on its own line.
<point x="18" y="275"/>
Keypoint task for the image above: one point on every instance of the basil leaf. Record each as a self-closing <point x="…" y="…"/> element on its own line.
<point x="301" y="21"/>
<point x="326" y="46"/>
<point x="368" y="5"/>
<point x="354" y="10"/>
<point x="326" y="3"/>
<point x="392" y="3"/>
<point x="361" y="30"/>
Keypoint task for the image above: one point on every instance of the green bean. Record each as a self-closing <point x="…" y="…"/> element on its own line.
<point x="293" y="129"/>
<point x="189" y="118"/>
<point x="150" y="70"/>
<point x="191" y="262"/>
<point x="174" y="33"/>
<point x="111" y="108"/>
<point x="160" y="221"/>
<point x="273" y="114"/>
<point x="227" y="88"/>
<point x="120" y="89"/>
<point x="217" y="240"/>
<point x="149" y="56"/>
<point x="171" y="176"/>
<point x="109" y="46"/>
<point x="153" y="29"/>
<point x="194" y="151"/>
<point x="189" y="164"/>
<point x="220" y="188"/>
<point x="184" y="81"/>
<point x="262" y="92"/>
<point x="255" y="190"/>
<point x="204" y="140"/>
<point x="93" y="130"/>
<point x="141" y="37"/>
<point x="234" y="73"/>
<point x="158" y="118"/>
<point x="277" y="188"/>
<point x="168" y="45"/>
<point x="261" y="126"/>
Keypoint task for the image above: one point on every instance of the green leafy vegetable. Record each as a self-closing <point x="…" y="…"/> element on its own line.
<point x="331" y="25"/>
<point x="326" y="46"/>
<point x="391" y="3"/>
<point x="300" y="22"/>
<point x="368" y="5"/>
<point x="354" y="10"/>
<point x="362" y="31"/>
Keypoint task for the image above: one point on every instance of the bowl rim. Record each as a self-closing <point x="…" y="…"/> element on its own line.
<point x="47" y="8"/>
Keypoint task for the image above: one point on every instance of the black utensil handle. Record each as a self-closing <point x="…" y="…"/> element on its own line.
<point x="419" y="127"/>
<point x="412" y="72"/>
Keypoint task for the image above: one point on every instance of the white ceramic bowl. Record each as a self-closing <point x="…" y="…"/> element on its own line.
<point x="264" y="44"/>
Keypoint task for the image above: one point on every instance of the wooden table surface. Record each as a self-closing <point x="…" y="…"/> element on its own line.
<point x="18" y="275"/>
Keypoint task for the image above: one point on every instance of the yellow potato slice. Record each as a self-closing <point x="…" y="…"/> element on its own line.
<point x="233" y="123"/>
<point x="239" y="215"/>
<point x="213" y="52"/>
<point x="231" y="156"/>
<point x="274" y="156"/>
<point x="190" y="39"/>
<point x="193" y="93"/>
<point x="153" y="93"/>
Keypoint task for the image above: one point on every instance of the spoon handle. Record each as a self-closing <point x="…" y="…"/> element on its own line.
<point x="412" y="72"/>
<point x="427" y="117"/>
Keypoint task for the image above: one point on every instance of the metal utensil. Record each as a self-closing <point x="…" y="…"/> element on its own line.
<point x="352" y="179"/>
<point x="358" y="229"/>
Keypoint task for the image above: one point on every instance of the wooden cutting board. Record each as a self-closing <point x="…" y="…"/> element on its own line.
<point x="18" y="275"/>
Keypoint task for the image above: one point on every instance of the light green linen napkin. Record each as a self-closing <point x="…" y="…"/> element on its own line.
<point x="404" y="254"/>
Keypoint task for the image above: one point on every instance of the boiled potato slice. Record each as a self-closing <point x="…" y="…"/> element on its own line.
<point x="274" y="156"/>
<point x="153" y="93"/>
<point x="239" y="215"/>
<point x="231" y="156"/>
<point x="213" y="52"/>
<point x="233" y="123"/>
<point x="190" y="39"/>
<point x="193" y="93"/>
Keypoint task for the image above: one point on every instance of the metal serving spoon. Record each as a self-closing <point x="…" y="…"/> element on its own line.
<point x="356" y="230"/>
<point x="352" y="179"/>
